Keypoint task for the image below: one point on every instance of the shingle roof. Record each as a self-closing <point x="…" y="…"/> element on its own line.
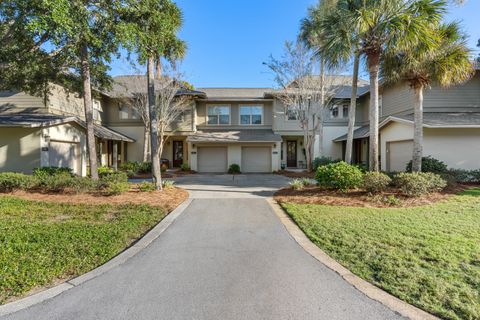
<point x="252" y="135"/>
<point x="359" y="133"/>
<point x="235" y="93"/>
<point x="32" y="118"/>
<point x="122" y="86"/>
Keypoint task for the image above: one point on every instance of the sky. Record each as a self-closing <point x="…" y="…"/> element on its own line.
<point x="228" y="40"/>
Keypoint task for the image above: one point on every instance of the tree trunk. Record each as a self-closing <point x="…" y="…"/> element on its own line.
<point x="87" y="102"/>
<point x="158" y="74"/>
<point x="418" y="130"/>
<point x="322" y="107"/>
<point x="146" y="143"/>
<point x="156" y="172"/>
<point x="352" y="110"/>
<point x="115" y="155"/>
<point x="373" y="68"/>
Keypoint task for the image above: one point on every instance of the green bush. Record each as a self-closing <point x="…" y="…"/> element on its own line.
<point x="129" y="166"/>
<point x="308" y="182"/>
<point x="56" y="183"/>
<point x="234" y="169"/>
<point x="185" y="167"/>
<point x="296" y="184"/>
<point x="146" y="186"/>
<point x="168" y="184"/>
<point x="84" y="184"/>
<point x="136" y="167"/>
<point x="103" y="171"/>
<point x="114" y="184"/>
<point x="341" y="176"/>
<point x="322" y="161"/>
<point x="10" y="181"/>
<point x="376" y="182"/>
<point x="419" y="183"/>
<point x="51" y="171"/>
<point x="144" y="167"/>
<point x="463" y="176"/>
<point x="430" y="164"/>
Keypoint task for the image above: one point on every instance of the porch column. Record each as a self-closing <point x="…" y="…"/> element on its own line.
<point x="115" y="155"/>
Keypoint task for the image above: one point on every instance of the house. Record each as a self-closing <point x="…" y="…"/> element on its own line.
<point x="245" y="126"/>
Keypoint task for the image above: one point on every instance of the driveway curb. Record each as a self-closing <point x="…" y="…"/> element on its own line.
<point x="121" y="258"/>
<point x="371" y="291"/>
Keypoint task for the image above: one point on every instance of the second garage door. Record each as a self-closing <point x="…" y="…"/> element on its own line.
<point x="399" y="155"/>
<point x="256" y="159"/>
<point x="64" y="154"/>
<point x="212" y="159"/>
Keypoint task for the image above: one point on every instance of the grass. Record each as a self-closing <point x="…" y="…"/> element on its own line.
<point x="42" y="242"/>
<point x="428" y="256"/>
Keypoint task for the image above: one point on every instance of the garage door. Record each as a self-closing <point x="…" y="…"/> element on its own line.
<point x="256" y="159"/>
<point x="399" y="154"/>
<point x="64" y="154"/>
<point x="212" y="159"/>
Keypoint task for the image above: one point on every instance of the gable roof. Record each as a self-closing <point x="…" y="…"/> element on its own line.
<point x="234" y="93"/>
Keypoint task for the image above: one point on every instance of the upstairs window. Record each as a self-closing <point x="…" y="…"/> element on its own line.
<point x="251" y="115"/>
<point x="346" y="108"/>
<point x="334" y="112"/>
<point x="126" y="112"/>
<point x="219" y="115"/>
<point x="291" y="113"/>
<point x="339" y="111"/>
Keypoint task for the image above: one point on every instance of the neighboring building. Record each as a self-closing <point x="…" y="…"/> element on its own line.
<point x="244" y="126"/>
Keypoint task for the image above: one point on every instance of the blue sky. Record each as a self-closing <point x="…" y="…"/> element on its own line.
<point x="229" y="40"/>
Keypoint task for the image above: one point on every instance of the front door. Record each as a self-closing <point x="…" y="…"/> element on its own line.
<point x="292" y="154"/>
<point x="177" y="153"/>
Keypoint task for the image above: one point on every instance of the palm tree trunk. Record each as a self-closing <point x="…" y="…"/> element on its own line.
<point x="352" y="110"/>
<point x="87" y="102"/>
<point x="146" y="143"/>
<point x="418" y="130"/>
<point x="322" y="107"/>
<point x="373" y="68"/>
<point x="156" y="172"/>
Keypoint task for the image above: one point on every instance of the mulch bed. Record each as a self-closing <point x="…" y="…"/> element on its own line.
<point x="165" y="175"/>
<point x="291" y="174"/>
<point x="168" y="199"/>
<point x="360" y="198"/>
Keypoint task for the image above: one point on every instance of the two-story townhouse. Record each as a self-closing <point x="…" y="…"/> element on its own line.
<point x="451" y="125"/>
<point x="49" y="130"/>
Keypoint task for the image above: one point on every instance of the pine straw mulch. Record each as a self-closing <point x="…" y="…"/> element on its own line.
<point x="360" y="198"/>
<point x="167" y="199"/>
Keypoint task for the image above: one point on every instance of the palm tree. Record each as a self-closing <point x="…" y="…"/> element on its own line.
<point x="446" y="62"/>
<point x="381" y="25"/>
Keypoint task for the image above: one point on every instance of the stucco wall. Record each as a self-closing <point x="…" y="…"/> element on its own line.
<point x="135" y="149"/>
<point x="19" y="149"/>
<point x="393" y="132"/>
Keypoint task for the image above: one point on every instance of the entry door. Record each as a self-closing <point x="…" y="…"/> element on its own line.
<point x="177" y="153"/>
<point x="292" y="154"/>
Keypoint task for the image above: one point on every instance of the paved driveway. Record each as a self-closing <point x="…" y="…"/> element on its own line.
<point x="226" y="257"/>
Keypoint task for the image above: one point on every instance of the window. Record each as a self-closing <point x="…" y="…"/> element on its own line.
<point x="291" y="113"/>
<point x="97" y="110"/>
<point x="218" y="115"/>
<point x="339" y="111"/>
<point x="335" y="112"/>
<point x="345" y="110"/>
<point x="125" y="112"/>
<point x="251" y="115"/>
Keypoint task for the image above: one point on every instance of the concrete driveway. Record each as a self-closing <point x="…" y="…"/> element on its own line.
<point x="226" y="257"/>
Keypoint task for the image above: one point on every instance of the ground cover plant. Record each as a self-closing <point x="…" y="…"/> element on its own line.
<point x="428" y="256"/>
<point x="44" y="242"/>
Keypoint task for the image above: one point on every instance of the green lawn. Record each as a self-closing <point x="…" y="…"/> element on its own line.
<point x="42" y="242"/>
<point x="428" y="256"/>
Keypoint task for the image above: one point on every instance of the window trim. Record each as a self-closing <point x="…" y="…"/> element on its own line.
<point x="218" y="124"/>
<point x="286" y="116"/>
<point x="251" y="124"/>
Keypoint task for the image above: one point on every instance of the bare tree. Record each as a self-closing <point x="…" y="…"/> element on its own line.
<point x="171" y="102"/>
<point x="307" y="95"/>
<point x="134" y="95"/>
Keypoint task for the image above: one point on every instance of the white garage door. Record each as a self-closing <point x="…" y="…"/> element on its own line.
<point x="256" y="159"/>
<point x="399" y="154"/>
<point x="64" y="154"/>
<point x="212" y="159"/>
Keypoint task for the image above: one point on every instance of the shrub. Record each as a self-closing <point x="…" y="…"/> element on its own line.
<point x="234" y="169"/>
<point x="114" y="184"/>
<point x="84" y="184"/>
<point x="340" y="175"/>
<point x="430" y="164"/>
<point x="419" y="183"/>
<point x="464" y="176"/>
<point x="185" y="167"/>
<point x="129" y="166"/>
<point x="308" y="182"/>
<point x="144" y="167"/>
<point x="51" y="171"/>
<point x="104" y="171"/>
<point x="376" y="182"/>
<point x="146" y="186"/>
<point x="10" y="181"/>
<point x="296" y="184"/>
<point x="58" y="182"/>
<point x="322" y="161"/>
<point x="168" y="184"/>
